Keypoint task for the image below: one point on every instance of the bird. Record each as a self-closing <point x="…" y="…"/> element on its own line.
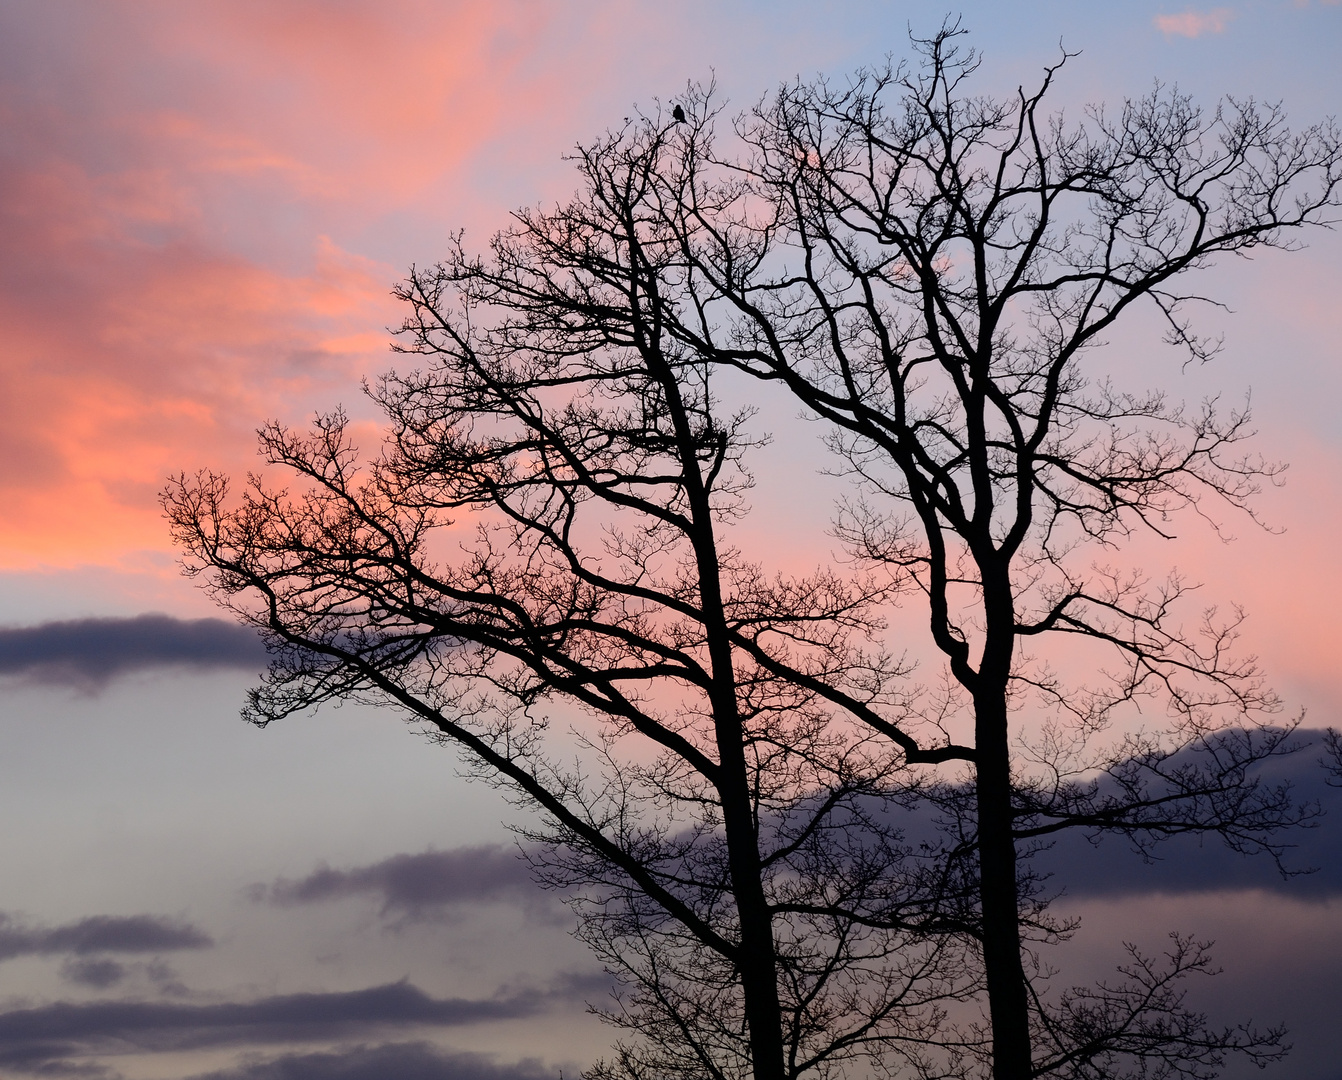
<point x="678" y="115"/>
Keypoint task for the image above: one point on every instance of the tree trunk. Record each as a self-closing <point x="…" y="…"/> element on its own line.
<point x="1007" y="1002"/>
<point x="759" y="964"/>
<point x="759" y="967"/>
<point x="758" y="957"/>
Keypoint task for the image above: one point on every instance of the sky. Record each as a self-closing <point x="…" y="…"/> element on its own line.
<point x="203" y="209"/>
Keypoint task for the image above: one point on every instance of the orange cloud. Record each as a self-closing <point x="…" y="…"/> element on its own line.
<point x="1192" y="24"/>
<point x="168" y="362"/>
<point x="199" y="207"/>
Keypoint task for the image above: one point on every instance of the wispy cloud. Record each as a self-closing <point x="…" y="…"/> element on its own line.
<point x="96" y="972"/>
<point x="100" y="934"/>
<point x="1192" y="24"/>
<point x="60" y="1038"/>
<point x="415" y="886"/>
<point x="403" y="1061"/>
<point x="88" y="652"/>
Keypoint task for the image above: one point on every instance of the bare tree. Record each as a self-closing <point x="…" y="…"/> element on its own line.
<point x="931" y="273"/>
<point x="928" y="273"/>
<point x="546" y="521"/>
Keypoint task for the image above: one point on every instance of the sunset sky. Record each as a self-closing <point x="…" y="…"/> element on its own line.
<point x="203" y="208"/>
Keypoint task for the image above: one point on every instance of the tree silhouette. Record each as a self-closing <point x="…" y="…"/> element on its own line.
<point x="930" y="274"/>
<point x="546" y="522"/>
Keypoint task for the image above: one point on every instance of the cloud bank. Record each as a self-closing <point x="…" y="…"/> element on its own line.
<point x="415" y="886"/>
<point x="88" y="653"/>
<point x="1191" y="864"/>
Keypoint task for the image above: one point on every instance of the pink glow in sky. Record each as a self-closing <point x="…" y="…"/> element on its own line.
<point x="1193" y="24"/>
<point x="169" y="204"/>
<point x="203" y="208"/>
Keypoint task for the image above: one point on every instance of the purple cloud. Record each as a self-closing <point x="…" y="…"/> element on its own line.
<point x="88" y="653"/>
<point x="1186" y="864"/>
<point x="100" y="933"/>
<point x="388" y="1061"/>
<point x="416" y="885"/>
<point x="52" y="1039"/>
<point x="422" y="885"/>
<point x="97" y="972"/>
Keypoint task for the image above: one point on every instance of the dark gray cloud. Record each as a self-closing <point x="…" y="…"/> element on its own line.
<point x="100" y="933"/>
<point x="1185" y="864"/>
<point x="1079" y="863"/>
<point x="417" y="885"/>
<point x="87" y="653"/>
<point x="55" y="1037"/>
<point x="97" y="972"/>
<point x="388" y="1061"/>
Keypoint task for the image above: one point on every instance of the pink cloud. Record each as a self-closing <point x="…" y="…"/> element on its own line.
<point x="1193" y="24"/>
<point x="191" y="205"/>
<point x="154" y="361"/>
